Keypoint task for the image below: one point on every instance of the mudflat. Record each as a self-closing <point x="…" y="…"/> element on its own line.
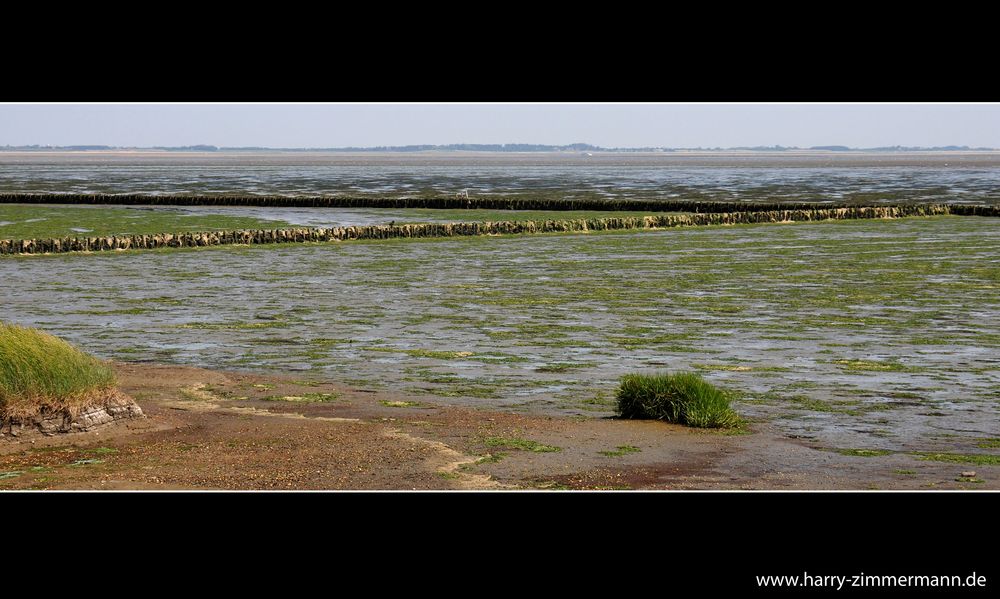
<point x="226" y="430"/>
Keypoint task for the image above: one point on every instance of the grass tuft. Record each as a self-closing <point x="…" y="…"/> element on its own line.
<point x="684" y="398"/>
<point x="39" y="371"/>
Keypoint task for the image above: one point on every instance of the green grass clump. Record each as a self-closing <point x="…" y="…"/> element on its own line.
<point x="39" y="371"/>
<point x="684" y="398"/>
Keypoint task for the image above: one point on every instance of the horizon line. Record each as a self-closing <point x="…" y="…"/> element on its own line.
<point x="504" y="147"/>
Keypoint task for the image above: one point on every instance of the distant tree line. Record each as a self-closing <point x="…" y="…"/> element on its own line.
<point x="576" y="147"/>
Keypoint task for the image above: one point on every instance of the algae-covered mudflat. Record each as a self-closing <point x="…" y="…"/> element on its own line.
<point x="856" y="335"/>
<point x="26" y="222"/>
<point x="23" y="221"/>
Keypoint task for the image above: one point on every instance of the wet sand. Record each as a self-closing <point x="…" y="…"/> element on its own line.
<point x="213" y="430"/>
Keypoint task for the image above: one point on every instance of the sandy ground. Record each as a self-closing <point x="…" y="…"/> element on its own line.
<point x="214" y="430"/>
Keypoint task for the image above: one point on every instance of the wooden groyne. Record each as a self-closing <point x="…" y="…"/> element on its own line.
<point x="444" y="203"/>
<point x="974" y="209"/>
<point x="308" y="234"/>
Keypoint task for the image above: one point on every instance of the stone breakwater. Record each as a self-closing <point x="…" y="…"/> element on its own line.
<point x="445" y="202"/>
<point x="300" y="235"/>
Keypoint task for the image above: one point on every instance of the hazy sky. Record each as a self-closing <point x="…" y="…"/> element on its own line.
<point x="403" y="124"/>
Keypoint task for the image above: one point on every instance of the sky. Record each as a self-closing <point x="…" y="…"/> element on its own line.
<point x="606" y="125"/>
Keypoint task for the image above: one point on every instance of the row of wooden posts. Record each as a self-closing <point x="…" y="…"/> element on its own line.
<point x="311" y="234"/>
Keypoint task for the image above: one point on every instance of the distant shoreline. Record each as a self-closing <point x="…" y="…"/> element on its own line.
<point x="681" y="158"/>
<point x="447" y="152"/>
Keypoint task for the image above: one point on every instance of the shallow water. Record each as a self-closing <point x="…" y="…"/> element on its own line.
<point x="857" y="333"/>
<point x="888" y="184"/>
